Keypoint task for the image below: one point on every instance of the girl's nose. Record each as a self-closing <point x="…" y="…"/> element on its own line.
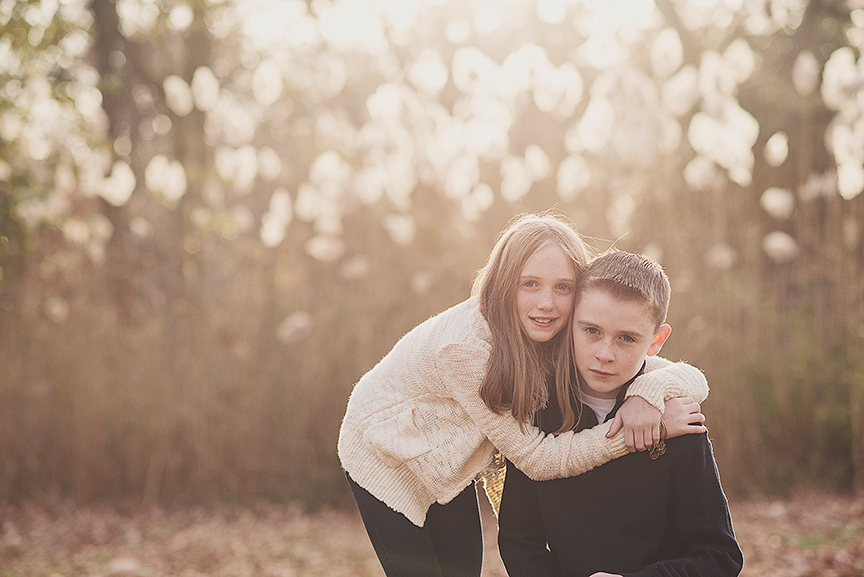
<point x="545" y="300"/>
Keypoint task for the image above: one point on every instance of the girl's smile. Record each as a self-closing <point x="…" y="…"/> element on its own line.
<point x="544" y="300"/>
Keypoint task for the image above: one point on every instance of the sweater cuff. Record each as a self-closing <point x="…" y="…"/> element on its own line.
<point x="595" y="449"/>
<point x="615" y="444"/>
<point x="651" y="389"/>
<point x="663" y="380"/>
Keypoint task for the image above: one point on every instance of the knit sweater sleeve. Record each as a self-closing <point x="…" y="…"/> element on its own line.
<point x="541" y="457"/>
<point x="663" y="380"/>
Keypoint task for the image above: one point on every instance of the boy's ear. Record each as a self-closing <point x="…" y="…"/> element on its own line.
<point x="659" y="339"/>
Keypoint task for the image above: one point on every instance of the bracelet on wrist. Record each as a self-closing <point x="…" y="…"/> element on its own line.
<point x="657" y="450"/>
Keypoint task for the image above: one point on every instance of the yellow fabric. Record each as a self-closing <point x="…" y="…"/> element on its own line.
<point x="493" y="482"/>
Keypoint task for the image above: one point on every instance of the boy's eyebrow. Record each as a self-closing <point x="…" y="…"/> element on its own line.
<point x="635" y="334"/>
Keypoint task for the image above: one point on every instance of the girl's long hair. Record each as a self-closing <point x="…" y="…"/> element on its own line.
<point x="518" y="369"/>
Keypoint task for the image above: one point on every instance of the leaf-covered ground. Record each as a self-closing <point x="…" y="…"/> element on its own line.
<point x="813" y="536"/>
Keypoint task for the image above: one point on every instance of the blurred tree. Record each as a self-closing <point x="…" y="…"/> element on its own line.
<point x="216" y="215"/>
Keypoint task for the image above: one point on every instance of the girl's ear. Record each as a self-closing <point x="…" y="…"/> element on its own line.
<point x="659" y="340"/>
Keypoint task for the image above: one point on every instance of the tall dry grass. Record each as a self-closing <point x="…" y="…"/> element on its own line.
<point x="179" y="380"/>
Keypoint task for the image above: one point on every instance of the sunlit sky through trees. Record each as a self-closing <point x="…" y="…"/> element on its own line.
<point x="385" y="96"/>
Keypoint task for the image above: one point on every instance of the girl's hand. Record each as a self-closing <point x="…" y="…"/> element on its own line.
<point x="683" y="416"/>
<point x="641" y="423"/>
<point x="603" y="574"/>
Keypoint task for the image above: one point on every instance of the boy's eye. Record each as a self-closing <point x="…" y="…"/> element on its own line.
<point x="564" y="287"/>
<point x="628" y="339"/>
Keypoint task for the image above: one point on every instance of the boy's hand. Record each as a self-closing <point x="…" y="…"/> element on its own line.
<point x="604" y="574"/>
<point x="640" y="421"/>
<point x="683" y="416"/>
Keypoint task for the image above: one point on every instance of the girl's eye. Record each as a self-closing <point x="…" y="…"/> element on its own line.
<point x="592" y="331"/>
<point x="529" y="283"/>
<point x="564" y="288"/>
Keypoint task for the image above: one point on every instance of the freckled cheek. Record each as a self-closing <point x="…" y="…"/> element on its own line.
<point x="564" y="306"/>
<point x="626" y="357"/>
<point x="585" y="354"/>
<point x="523" y="304"/>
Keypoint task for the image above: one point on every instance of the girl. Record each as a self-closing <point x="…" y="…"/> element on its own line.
<point x="426" y="420"/>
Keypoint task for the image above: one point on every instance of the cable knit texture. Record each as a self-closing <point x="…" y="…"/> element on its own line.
<point x="417" y="432"/>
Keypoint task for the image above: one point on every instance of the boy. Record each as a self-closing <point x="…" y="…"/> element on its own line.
<point x="658" y="513"/>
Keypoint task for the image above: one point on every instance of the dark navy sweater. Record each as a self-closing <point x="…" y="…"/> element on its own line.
<point x="633" y="516"/>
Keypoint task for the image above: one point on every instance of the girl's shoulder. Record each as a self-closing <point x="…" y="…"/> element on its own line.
<point x="461" y="324"/>
<point x="475" y="322"/>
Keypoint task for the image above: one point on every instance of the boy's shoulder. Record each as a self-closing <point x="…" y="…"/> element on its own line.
<point x="639" y="468"/>
<point x="634" y="485"/>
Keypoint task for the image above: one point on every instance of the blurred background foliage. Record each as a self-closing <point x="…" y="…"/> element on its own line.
<point x="216" y="215"/>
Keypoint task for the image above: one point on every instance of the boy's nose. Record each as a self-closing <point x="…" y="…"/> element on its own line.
<point x="604" y="351"/>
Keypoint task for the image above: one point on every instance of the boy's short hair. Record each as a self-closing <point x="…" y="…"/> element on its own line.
<point x="629" y="276"/>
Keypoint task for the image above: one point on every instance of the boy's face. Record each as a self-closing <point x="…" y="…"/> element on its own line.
<point x="612" y="337"/>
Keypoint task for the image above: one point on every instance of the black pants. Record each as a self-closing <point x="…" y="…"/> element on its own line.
<point x="450" y="543"/>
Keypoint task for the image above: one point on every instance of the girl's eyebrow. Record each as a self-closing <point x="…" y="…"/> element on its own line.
<point x="563" y="279"/>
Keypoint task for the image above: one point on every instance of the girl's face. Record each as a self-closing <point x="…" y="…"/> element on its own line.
<point x="544" y="299"/>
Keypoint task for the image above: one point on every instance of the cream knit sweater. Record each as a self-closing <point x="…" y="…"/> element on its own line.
<point x="417" y="432"/>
